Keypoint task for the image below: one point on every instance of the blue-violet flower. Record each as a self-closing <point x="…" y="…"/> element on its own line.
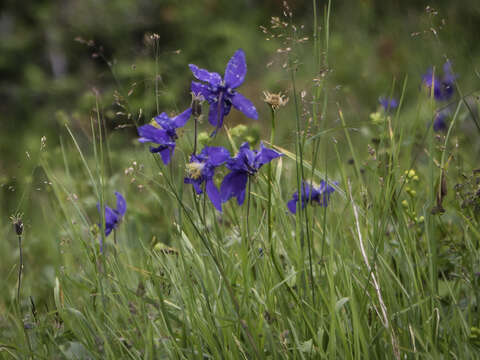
<point x="388" y="104"/>
<point x="444" y="87"/>
<point x="220" y="93"/>
<point x="246" y="163"/>
<point x="311" y="194"/>
<point x="114" y="216"/>
<point x="164" y="133"/>
<point x="202" y="169"/>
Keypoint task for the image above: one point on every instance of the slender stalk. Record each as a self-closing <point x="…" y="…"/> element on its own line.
<point x="20" y="268"/>
<point x="195" y="134"/>
<point x="248" y="212"/>
<point x="270" y="179"/>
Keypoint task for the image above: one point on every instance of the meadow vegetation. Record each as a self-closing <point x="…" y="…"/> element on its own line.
<point x="286" y="180"/>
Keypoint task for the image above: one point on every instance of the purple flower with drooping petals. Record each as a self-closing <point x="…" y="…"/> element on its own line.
<point x="165" y="135"/>
<point x="388" y="104"/>
<point x="444" y="87"/>
<point x="245" y="164"/>
<point x="310" y="194"/>
<point x="202" y="169"/>
<point x="220" y="93"/>
<point x="113" y="216"/>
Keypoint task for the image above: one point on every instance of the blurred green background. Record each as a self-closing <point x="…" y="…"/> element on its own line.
<point x="53" y="54"/>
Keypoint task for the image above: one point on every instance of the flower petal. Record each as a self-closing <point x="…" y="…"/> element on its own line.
<point x="265" y="155"/>
<point x="213" y="194"/>
<point x="181" y="119"/>
<point x="108" y="229"/>
<point x="110" y="219"/>
<point x="216" y="115"/>
<point x="150" y="133"/>
<point x="234" y="184"/>
<point x="236" y="70"/>
<point x="217" y="155"/>
<point x="244" y="105"/>
<point x="200" y="89"/>
<point x="121" y="204"/>
<point x="164" y="120"/>
<point x="195" y="182"/>
<point x="166" y="154"/>
<point x="212" y="78"/>
<point x="292" y="205"/>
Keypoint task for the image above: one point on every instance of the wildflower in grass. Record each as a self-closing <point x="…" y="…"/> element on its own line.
<point x="311" y="194"/>
<point x="220" y="93"/>
<point x="444" y="87"/>
<point x="201" y="169"/>
<point x="388" y="104"/>
<point x="163" y="132"/>
<point x="114" y="216"/>
<point x="245" y="164"/>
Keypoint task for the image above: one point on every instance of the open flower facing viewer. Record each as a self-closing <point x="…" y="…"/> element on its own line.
<point x="221" y="93"/>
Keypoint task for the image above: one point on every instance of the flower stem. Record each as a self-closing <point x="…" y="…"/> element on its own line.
<point x="248" y="212"/>
<point x="20" y="268"/>
<point x="195" y="138"/>
<point x="269" y="208"/>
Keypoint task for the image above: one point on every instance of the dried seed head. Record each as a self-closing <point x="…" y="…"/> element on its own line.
<point x="17" y="223"/>
<point x="275" y="100"/>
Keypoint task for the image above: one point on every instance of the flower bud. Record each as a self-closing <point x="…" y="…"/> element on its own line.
<point x="17" y="223"/>
<point x="197" y="101"/>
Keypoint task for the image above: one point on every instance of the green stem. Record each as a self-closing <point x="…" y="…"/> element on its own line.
<point x="20" y="268"/>
<point x="270" y="180"/>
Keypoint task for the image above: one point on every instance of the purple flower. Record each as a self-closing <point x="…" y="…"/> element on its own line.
<point x="388" y="104"/>
<point x="310" y="194"/>
<point x="220" y="93"/>
<point x="113" y="216"/>
<point x="245" y="164"/>
<point x="439" y="122"/>
<point x="165" y="135"/>
<point x="444" y="87"/>
<point x="202" y="169"/>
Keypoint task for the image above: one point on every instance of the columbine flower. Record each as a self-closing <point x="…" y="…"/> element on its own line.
<point x="275" y="100"/>
<point x="245" y="164"/>
<point x="220" y="93"/>
<point x="442" y="88"/>
<point x="114" y="216"/>
<point x="202" y="168"/>
<point x="310" y="194"/>
<point x="166" y="135"/>
<point x="388" y="104"/>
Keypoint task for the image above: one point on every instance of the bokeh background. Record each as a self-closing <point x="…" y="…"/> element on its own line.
<point x="56" y="55"/>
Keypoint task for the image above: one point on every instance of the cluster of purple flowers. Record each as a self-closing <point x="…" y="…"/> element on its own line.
<point x="221" y="95"/>
<point x="443" y="89"/>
